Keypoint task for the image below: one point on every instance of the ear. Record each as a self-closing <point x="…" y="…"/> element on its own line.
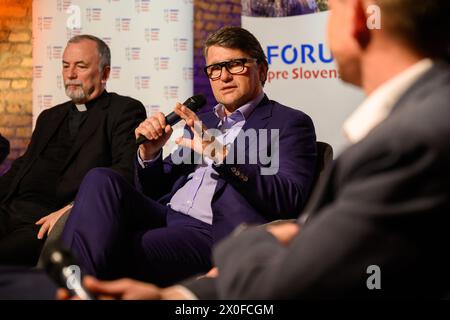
<point x="105" y="74"/>
<point x="262" y="72"/>
<point x="360" y="32"/>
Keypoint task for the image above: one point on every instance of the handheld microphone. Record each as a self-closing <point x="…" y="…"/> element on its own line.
<point x="194" y="103"/>
<point x="62" y="268"/>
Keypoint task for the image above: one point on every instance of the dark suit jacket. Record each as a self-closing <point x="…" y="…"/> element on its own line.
<point x="386" y="202"/>
<point x="242" y="194"/>
<point x="4" y="148"/>
<point x="106" y="139"/>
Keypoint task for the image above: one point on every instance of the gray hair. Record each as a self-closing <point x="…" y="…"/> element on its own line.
<point x="103" y="50"/>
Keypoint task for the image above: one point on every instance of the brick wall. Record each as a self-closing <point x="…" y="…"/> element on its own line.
<point x="15" y="75"/>
<point x="210" y="16"/>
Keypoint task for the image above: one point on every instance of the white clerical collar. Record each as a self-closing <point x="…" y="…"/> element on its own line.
<point x="81" y="107"/>
<point x="377" y="107"/>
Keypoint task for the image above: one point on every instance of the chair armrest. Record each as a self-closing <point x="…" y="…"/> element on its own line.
<point x="55" y="235"/>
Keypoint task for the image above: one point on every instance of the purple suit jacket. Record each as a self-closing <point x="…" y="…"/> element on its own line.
<point x="242" y="194"/>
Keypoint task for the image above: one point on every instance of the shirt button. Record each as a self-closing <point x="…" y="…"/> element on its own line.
<point x="188" y="202"/>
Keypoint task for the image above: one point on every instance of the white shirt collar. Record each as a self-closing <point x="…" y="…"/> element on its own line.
<point x="377" y="107"/>
<point x="81" y="107"/>
<point x="245" y="110"/>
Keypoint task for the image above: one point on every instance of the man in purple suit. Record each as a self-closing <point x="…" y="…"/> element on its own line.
<point x="216" y="180"/>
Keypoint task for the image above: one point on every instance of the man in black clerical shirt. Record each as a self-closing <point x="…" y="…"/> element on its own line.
<point x="94" y="129"/>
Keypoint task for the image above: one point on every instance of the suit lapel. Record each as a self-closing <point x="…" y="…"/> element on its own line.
<point x="88" y="128"/>
<point x="258" y="119"/>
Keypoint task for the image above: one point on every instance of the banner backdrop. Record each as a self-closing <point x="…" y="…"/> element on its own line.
<point x="151" y="45"/>
<point x="302" y="73"/>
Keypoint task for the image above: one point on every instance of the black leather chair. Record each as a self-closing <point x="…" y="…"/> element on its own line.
<point x="54" y="236"/>
<point x="324" y="160"/>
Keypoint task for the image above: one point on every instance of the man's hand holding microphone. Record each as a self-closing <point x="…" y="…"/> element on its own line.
<point x="154" y="132"/>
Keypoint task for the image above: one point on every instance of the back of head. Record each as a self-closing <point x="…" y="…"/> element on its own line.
<point x="422" y="25"/>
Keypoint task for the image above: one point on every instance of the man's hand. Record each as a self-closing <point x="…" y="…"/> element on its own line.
<point x="125" y="289"/>
<point x="284" y="232"/>
<point x="213" y="273"/>
<point x="202" y="142"/>
<point x="122" y="289"/>
<point x="48" y="222"/>
<point x="157" y="132"/>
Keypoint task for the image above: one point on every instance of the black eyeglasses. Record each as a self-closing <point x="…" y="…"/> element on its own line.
<point x="235" y="66"/>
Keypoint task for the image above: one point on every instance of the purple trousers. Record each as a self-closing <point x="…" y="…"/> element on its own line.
<point x="115" y="231"/>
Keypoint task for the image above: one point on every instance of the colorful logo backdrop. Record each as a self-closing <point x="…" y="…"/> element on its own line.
<point x="151" y="45"/>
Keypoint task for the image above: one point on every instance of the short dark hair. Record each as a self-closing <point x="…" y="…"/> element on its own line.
<point x="422" y="25"/>
<point x="237" y="38"/>
<point x="103" y="50"/>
